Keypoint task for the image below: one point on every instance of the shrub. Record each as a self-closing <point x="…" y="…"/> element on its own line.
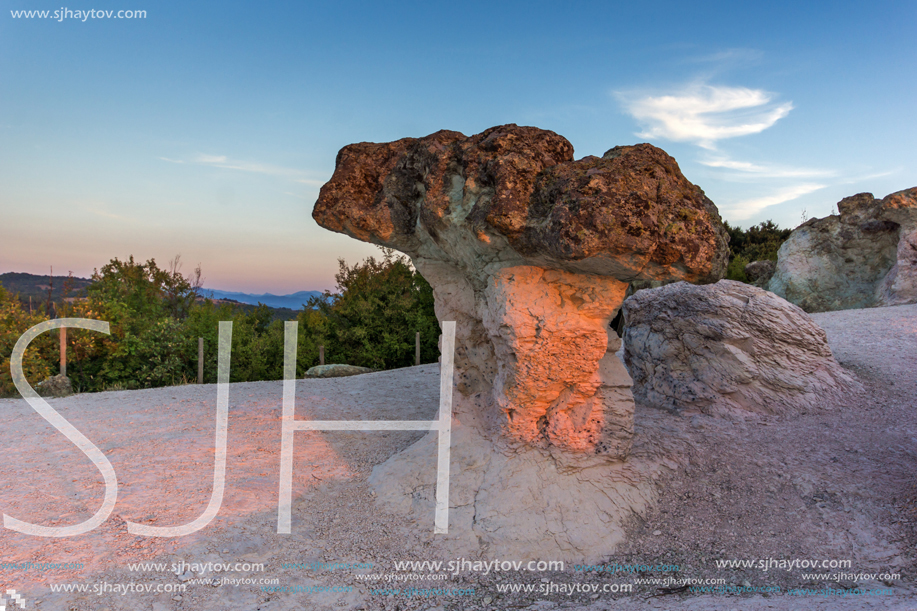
<point x="758" y="243"/>
<point x="373" y="319"/>
<point x="38" y="362"/>
<point x="156" y="319"/>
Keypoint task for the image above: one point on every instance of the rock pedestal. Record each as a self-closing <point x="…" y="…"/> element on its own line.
<point x="530" y="252"/>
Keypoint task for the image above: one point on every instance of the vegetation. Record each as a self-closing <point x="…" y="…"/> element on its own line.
<point x="373" y="319"/>
<point x="757" y="243"/>
<point x="39" y="289"/>
<point x="156" y="318"/>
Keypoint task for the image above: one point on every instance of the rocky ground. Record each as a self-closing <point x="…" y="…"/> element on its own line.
<point x="837" y="484"/>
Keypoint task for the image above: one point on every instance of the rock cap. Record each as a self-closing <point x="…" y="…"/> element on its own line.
<point x="514" y="195"/>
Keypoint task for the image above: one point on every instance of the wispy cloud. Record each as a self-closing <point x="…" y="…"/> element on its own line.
<point x="297" y="195"/>
<point x="764" y="171"/>
<point x="99" y="209"/>
<point x="728" y="57"/>
<point x="222" y="161"/>
<point x="227" y="163"/>
<point x="743" y="210"/>
<point x="856" y="179"/>
<point x="704" y="114"/>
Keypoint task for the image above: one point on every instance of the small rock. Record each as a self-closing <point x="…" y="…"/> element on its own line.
<point x="55" y="386"/>
<point x="336" y="371"/>
<point x="657" y="532"/>
<point x="760" y="272"/>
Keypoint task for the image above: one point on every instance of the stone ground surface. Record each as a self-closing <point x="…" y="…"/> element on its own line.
<point x="836" y="484"/>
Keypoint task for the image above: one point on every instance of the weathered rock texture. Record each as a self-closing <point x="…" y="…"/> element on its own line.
<point x="521" y="504"/>
<point x="336" y="371"/>
<point x="55" y="386"/>
<point x="760" y="272"/>
<point x="728" y="346"/>
<point x="863" y="258"/>
<point x="530" y="252"/>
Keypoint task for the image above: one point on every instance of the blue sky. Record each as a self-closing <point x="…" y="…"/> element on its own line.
<point x="206" y="128"/>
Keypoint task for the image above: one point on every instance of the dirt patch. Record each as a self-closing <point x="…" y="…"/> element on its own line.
<point x="839" y="484"/>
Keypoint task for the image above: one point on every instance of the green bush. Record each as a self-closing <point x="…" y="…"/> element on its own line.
<point x="736" y="269"/>
<point x="757" y="243"/>
<point x="156" y="318"/>
<point x="373" y="319"/>
<point x="257" y="347"/>
<point x="41" y="358"/>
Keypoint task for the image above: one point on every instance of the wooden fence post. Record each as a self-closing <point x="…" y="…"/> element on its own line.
<point x="200" y="360"/>
<point x="63" y="351"/>
<point x="321" y="355"/>
<point x="417" y="349"/>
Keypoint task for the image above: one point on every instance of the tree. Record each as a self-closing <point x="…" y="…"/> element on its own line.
<point x="373" y="318"/>
<point x="757" y="243"/>
<point x="38" y="360"/>
<point x="144" y="306"/>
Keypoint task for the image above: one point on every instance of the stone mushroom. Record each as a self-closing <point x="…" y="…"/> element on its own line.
<point x="531" y="253"/>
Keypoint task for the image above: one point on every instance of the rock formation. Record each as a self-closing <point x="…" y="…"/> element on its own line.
<point x="336" y="371"/>
<point x="728" y="346"/>
<point x="530" y="252"/>
<point x="760" y="272"/>
<point x="55" y="386"/>
<point x="865" y="257"/>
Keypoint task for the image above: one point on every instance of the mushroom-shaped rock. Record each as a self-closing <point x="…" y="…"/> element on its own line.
<point x="531" y="253"/>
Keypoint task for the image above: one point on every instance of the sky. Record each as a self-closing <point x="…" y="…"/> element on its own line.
<point x="206" y="129"/>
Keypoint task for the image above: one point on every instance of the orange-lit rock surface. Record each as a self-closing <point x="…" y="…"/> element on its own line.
<point x="531" y="252"/>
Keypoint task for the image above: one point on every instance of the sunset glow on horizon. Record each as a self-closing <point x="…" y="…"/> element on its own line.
<point x="206" y="129"/>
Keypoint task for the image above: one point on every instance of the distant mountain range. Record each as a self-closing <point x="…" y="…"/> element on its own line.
<point x="32" y="285"/>
<point x="294" y="301"/>
<point x="36" y="286"/>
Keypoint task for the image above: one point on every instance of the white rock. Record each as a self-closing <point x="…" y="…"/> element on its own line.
<point x="728" y="346"/>
<point x="865" y="257"/>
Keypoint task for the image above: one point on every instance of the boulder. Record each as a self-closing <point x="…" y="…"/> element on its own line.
<point x="865" y="257"/>
<point x="336" y="371"/>
<point x="728" y="346"/>
<point x="760" y="272"/>
<point x="531" y="253"/>
<point x="55" y="386"/>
